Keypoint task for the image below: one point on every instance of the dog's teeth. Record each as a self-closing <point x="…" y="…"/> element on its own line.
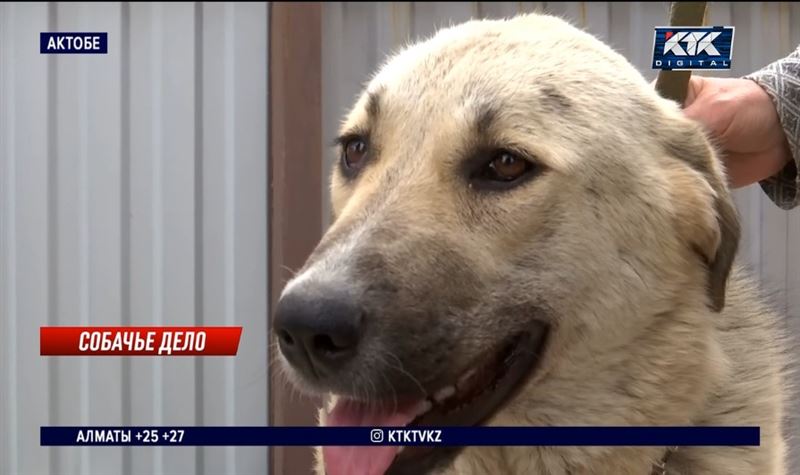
<point x="423" y="407"/>
<point x="465" y="378"/>
<point x="444" y="393"/>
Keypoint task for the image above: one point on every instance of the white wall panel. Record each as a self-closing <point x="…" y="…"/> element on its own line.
<point x="26" y="111"/>
<point x="133" y="191"/>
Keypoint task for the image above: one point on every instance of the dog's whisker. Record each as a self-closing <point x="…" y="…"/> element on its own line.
<point x="289" y="269"/>
<point x="389" y="384"/>
<point x="373" y="400"/>
<point x="403" y="370"/>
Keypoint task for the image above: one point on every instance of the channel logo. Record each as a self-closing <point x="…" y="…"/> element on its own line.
<point x="689" y="48"/>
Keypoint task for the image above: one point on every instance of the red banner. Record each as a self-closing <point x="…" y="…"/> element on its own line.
<point x="139" y="341"/>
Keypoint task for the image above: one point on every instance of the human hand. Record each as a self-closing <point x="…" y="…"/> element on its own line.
<point x="742" y="119"/>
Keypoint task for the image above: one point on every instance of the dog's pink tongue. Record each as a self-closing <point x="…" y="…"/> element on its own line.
<point x="364" y="460"/>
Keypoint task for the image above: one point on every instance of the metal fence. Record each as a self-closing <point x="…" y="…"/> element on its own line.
<point x="133" y="192"/>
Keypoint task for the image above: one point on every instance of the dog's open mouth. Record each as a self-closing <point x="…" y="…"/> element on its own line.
<point x="469" y="400"/>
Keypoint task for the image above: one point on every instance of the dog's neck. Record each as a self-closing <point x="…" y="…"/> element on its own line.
<point x="562" y="460"/>
<point x="665" y="378"/>
<point x="660" y="467"/>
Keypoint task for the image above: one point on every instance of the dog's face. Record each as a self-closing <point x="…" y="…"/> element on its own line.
<point x="508" y="193"/>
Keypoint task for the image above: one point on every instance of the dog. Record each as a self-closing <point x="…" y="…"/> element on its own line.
<point x="526" y="234"/>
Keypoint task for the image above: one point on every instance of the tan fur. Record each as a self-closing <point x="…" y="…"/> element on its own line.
<point x="625" y="240"/>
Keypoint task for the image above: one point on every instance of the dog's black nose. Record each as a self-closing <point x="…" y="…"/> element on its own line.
<point x="317" y="331"/>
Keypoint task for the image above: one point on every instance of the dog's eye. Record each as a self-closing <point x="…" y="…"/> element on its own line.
<point x="355" y="153"/>
<point x="507" y="167"/>
<point x="503" y="170"/>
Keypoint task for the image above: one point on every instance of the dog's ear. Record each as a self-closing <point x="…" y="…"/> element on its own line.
<point x="707" y="217"/>
<point x="719" y="266"/>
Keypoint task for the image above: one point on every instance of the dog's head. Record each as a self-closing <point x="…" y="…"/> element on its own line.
<point x="509" y="195"/>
